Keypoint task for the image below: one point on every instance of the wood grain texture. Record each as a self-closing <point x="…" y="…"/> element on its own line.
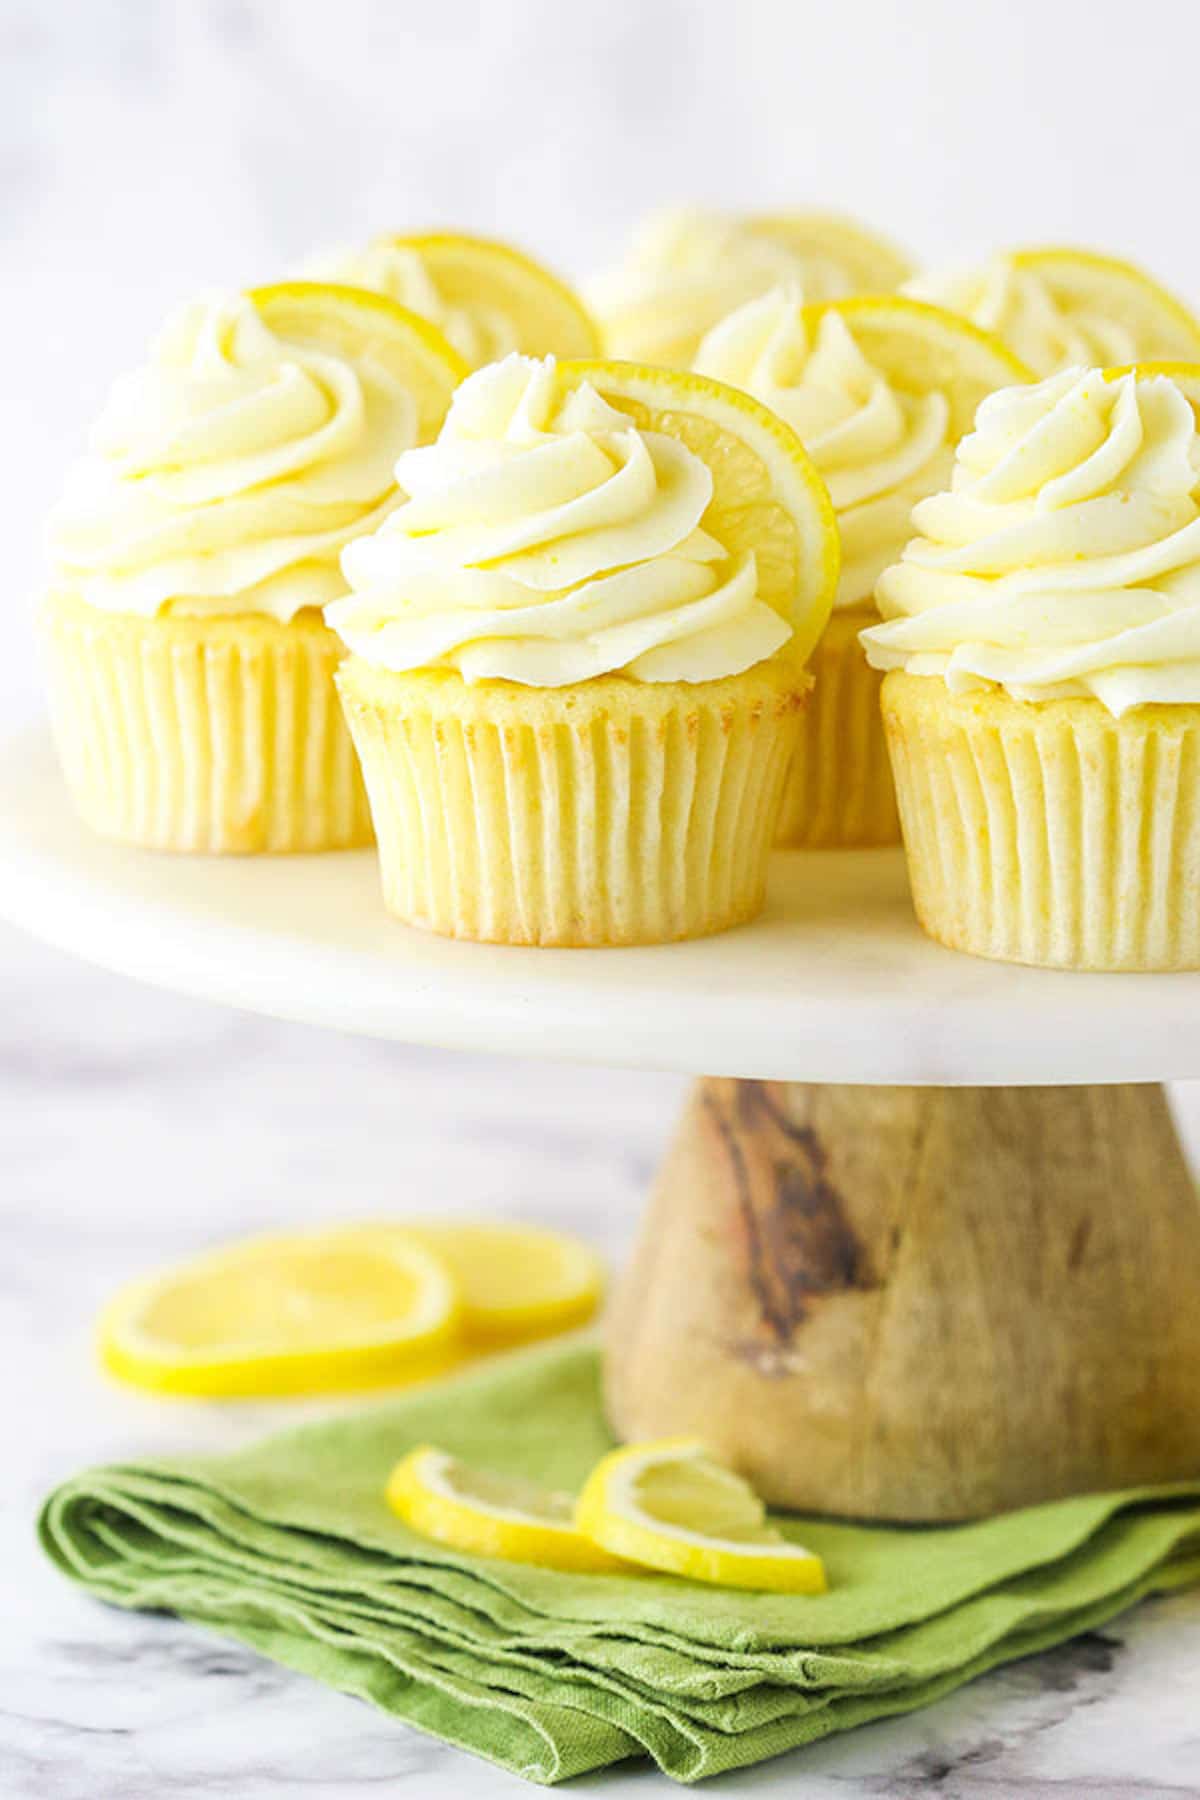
<point x="918" y="1303"/>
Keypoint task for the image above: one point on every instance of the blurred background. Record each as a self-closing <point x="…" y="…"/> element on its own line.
<point x="153" y="148"/>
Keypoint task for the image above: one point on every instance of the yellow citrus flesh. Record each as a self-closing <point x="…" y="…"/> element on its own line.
<point x="309" y="1313"/>
<point x="669" y="1506"/>
<point x="483" y="1514"/>
<point x="516" y="1283"/>
<point x="359" y="323"/>
<point x="923" y="348"/>
<point x="1161" y="325"/>
<point x="873" y="264"/>
<point x="478" y="274"/>
<point x="767" y="495"/>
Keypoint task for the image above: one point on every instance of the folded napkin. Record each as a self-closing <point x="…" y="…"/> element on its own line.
<point x="289" y="1547"/>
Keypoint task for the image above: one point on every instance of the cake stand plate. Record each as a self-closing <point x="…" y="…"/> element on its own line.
<point x="834" y="983"/>
<point x="907" y="1258"/>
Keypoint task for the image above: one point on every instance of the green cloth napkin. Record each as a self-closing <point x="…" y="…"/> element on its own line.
<point x="289" y="1547"/>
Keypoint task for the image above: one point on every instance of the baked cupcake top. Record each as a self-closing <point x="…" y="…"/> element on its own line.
<point x="1066" y="308"/>
<point x="878" y="448"/>
<point x="1064" y="560"/>
<point x="547" y="541"/>
<point x="227" y="475"/>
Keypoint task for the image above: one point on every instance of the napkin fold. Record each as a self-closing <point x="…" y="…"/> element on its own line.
<point x="289" y="1547"/>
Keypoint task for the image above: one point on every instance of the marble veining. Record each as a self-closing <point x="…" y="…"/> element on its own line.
<point x="136" y="1127"/>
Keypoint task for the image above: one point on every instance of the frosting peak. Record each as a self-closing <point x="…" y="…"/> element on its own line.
<point x="480" y="333"/>
<point x="547" y="543"/>
<point x="878" y="449"/>
<point x="1065" y="559"/>
<point x="1019" y="307"/>
<point x="228" y="473"/>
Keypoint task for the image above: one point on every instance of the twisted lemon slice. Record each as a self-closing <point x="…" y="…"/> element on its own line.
<point x="491" y="1515"/>
<point x="768" y="499"/>
<point x="869" y="262"/>
<point x="669" y="1506"/>
<point x="284" y="1315"/>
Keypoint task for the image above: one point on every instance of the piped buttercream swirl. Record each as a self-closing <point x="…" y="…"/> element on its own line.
<point x="228" y="474"/>
<point x="481" y="333"/>
<point x="548" y="542"/>
<point x="878" y="449"/>
<point x="1018" y="306"/>
<point x="1065" y="559"/>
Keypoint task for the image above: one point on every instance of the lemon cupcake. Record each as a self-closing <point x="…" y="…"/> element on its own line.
<point x="686" y="270"/>
<point x="1043" y="703"/>
<point x="880" y="390"/>
<point x="486" y="297"/>
<point x="1060" y="307"/>
<point x="190" y="670"/>
<point x="577" y="650"/>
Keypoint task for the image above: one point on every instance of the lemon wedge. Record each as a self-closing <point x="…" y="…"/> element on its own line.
<point x="484" y="1514"/>
<point x="768" y="498"/>
<point x="359" y="323"/>
<point x="516" y="1282"/>
<point x="669" y="1506"/>
<point x="309" y="1313"/>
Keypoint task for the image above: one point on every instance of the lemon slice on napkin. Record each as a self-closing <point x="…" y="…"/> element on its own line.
<point x="669" y="1506"/>
<point x="313" y="1312"/>
<point x="491" y="1515"/>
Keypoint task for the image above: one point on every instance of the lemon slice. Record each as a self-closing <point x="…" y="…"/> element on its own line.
<point x="491" y="1515"/>
<point x="1159" y="323"/>
<point x="516" y="1283"/>
<point x="868" y="262"/>
<point x="767" y="495"/>
<point x="359" y="323"/>
<point x="923" y="348"/>
<point x="669" y="1506"/>
<point x="308" y="1313"/>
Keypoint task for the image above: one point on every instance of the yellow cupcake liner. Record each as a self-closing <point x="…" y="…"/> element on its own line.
<point x="839" y="792"/>
<point x="213" y="734"/>
<point x="1051" y="834"/>
<point x="613" y="812"/>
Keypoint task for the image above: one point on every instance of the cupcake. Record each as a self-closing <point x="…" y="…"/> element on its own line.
<point x="190" y="670"/>
<point x="576" y="672"/>
<point x="685" y="271"/>
<point x="1042" y="706"/>
<point x="880" y="390"/>
<point x="487" y="298"/>
<point x="1059" y="308"/>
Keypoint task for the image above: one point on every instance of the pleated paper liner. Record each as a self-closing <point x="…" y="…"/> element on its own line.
<point x="1051" y="834"/>
<point x="213" y="734"/>
<point x="839" y="792"/>
<point x="612" y="812"/>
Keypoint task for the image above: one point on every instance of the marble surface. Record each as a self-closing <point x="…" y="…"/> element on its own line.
<point x="136" y="1127"/>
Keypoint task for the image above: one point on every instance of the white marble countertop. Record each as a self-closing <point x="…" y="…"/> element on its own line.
<point x="135" y="1127"/>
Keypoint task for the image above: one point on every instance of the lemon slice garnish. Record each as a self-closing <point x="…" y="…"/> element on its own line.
<point x="491" y="1515"/>
<point x="308" y="1313"/>
<point x="768" y="498"/>
<point x="516" y="1282"/>
<point x="359" y="323"/>
<point x="1160" y="324"/>
<point x="871" y="262"/>
<point x="669" y="1506"/>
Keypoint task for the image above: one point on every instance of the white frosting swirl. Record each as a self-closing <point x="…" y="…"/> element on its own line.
<point x="1017" y="305"/>
<point x="228" y="474"/>
<point x="547" y="543"/>
<point x="688" y="270"/>
<point x="879" y="450"/>
<point x="1065" y="560"/>
<point x="480" y="333"/>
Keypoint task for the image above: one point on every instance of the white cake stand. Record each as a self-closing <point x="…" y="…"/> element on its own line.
<point x="909" y="1256"/>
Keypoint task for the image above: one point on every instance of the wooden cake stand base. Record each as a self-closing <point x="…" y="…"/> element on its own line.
<point x="918" y="1303"/>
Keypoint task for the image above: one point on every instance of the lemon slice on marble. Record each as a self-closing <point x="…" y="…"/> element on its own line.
<point x="516" y="1282"/>
<point x="869" y="262"/>
<point x="309" y="1313"/>
<point x="484" y="1514"/>
<point x="358" y="323"/>
<point x="670" y="1506"/>
<point x="768" y="498"/>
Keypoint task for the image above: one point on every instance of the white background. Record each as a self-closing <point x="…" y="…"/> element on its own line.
<point x="148" y="150"/>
